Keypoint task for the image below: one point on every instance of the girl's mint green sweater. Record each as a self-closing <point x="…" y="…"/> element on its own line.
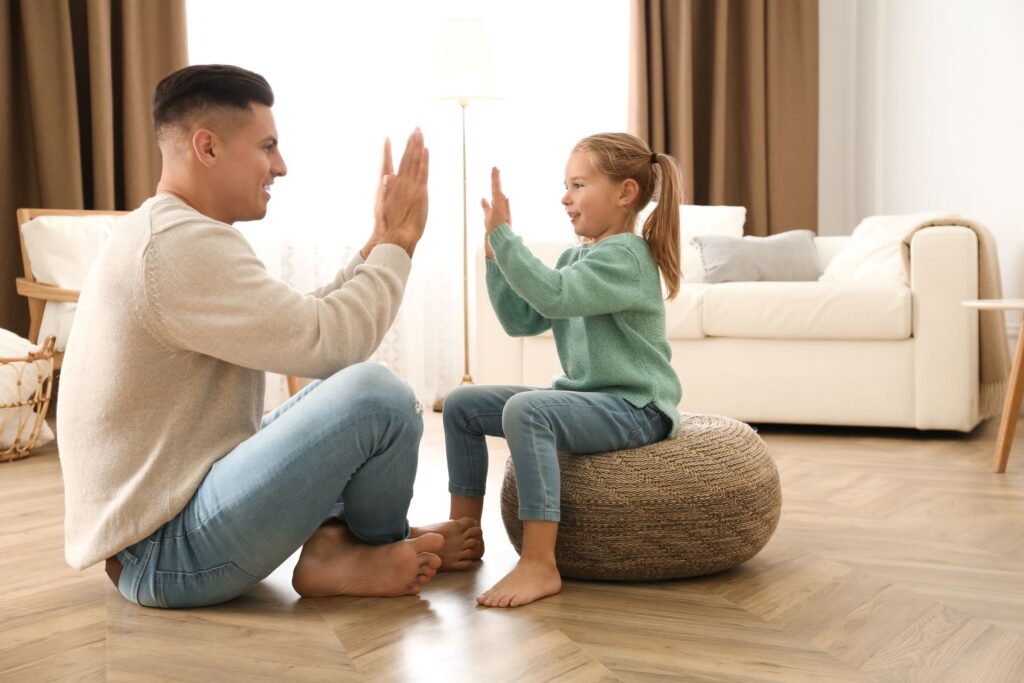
<point x="603" y="302"/>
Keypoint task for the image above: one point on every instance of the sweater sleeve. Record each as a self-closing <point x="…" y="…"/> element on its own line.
<point x="207" y="292"/>
<point x="606" y="281"/>
<point x="518" y="318"/>
<point x="343" y="275"/>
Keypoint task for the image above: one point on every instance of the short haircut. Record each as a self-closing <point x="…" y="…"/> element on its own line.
<point x="195" y="89"/>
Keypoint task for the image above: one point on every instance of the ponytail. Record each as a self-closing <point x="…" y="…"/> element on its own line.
<point x="661" y="229"/>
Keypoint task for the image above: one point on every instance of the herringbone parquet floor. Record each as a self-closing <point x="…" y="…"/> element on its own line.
<point x="899" y="557"/>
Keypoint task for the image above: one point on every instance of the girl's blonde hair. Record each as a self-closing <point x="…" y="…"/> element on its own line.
<point x="621" y="156"/>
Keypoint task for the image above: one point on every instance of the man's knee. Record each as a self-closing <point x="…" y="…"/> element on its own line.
<point x="379" y="390"/>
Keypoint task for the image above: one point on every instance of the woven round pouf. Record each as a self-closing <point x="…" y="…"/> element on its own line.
<point x="702" y="502"/>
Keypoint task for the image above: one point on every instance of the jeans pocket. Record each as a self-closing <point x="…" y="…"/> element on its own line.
<point x="198" y="589"/>
<point x="653" y="427"/>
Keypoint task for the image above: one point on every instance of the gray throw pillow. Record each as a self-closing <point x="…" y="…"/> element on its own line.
<point x="784" y="257"/>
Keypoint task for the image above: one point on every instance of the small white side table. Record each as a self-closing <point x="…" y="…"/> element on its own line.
<point x="1015" y="388"/>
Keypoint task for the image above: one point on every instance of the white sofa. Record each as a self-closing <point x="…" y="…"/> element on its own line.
<point x="831" y="353"/>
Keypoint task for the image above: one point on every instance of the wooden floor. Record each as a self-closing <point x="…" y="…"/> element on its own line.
<point x="899" y="557"/>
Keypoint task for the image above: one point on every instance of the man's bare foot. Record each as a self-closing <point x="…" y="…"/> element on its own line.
<point x="463" y="542"/>
<point x="334" y="562"/>
<point x="528" y="581"/>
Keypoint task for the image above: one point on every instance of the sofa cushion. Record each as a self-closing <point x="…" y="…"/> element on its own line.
<point x="808" y="310"/>
<point x="684" y="315"/>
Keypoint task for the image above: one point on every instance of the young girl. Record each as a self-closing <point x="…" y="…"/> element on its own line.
<point x="603" y="302"/>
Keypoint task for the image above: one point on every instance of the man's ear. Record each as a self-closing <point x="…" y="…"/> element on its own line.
<point x="204" y="146"/>
<point x="628" y="192"/>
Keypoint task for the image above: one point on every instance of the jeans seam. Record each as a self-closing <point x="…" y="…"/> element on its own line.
<point x="139" y="565"/>
<point x="467" y="447"/>
<point x="165" y="572"/>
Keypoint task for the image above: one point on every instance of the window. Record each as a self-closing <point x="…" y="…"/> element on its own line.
<point x="345" y="75"/>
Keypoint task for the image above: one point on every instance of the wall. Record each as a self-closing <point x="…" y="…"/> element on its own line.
<point x="922" y="107"/>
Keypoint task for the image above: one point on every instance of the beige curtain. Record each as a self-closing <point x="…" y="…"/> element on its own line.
<point x="730" y="88"/>
<point x="76" y="86"/>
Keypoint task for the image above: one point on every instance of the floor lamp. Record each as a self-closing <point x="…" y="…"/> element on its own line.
<point x="467" y="73"/>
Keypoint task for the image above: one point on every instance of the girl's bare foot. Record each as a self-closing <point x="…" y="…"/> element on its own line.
<point x="334" y="562"/>
<point x="528" y="581"/>
<point x="463" y="542"/>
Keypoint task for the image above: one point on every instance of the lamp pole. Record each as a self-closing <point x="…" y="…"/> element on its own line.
<point x="466" y="378"/>
<point x="466" y="67"/>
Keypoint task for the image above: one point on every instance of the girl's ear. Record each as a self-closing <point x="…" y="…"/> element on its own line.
<point x="628" y="192"/>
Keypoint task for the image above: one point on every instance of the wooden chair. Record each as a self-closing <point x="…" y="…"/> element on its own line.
<point x="39" y="293"/>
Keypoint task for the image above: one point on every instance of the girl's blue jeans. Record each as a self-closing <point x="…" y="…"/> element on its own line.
<point x="343" y="447"/>
<point x="536" y="424"/>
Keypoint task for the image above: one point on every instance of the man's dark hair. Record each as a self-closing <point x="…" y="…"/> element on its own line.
<point x="203" y="86"/>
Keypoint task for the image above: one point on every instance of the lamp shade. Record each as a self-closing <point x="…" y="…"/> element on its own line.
<point x="466" y="63"/>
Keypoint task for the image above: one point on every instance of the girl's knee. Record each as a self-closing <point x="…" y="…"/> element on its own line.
<point x="463" y="402"/>
<point x="458" y="399"/>
<point x="522" y="409"/>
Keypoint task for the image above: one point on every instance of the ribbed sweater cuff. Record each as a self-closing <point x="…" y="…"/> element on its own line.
<point x="500" y="236"/>
<point x="391" y="256"/>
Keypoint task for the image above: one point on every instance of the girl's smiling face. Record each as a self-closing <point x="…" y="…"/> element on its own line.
<point x="597" y="205"/>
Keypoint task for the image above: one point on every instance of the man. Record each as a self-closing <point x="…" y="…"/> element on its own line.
<point x="169" y="472"/>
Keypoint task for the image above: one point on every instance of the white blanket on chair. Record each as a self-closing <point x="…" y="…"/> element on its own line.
<point x="17" y="383"/>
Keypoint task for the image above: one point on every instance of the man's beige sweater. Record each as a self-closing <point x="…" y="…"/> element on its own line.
<point x="163" y="375"/>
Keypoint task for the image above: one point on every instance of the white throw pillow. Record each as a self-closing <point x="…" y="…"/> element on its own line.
<point x="13" y="346"/>
<point x="874" y="252"/>
<point x="61" y="250"/>
<point x="697" y="220"/>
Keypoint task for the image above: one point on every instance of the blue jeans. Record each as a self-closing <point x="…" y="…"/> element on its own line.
<point x="537" y="423"/>
<point x="343" y="447"/>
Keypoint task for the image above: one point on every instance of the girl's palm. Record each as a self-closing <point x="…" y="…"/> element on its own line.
<point x="498" y="210"/>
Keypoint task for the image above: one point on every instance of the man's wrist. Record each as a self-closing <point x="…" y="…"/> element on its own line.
<point x="408" y="244"/>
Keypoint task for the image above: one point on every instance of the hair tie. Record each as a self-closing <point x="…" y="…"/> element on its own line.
<point x="654" y="157"/>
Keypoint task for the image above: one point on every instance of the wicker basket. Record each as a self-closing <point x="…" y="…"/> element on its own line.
<point x="700" y="503"/>
<point x="28" y="422"/>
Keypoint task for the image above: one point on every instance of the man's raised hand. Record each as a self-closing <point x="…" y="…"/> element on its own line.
<point x="386" y="170"/>
<point x="403" y="197"/>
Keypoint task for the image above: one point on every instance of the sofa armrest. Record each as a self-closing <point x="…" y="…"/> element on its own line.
<point x="944" y="273"/>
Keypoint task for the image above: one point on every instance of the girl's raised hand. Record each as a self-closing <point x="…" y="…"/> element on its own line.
<point x="497" y="211"/>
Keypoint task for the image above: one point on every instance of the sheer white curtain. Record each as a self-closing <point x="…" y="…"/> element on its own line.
<point x="346" y="75"/>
